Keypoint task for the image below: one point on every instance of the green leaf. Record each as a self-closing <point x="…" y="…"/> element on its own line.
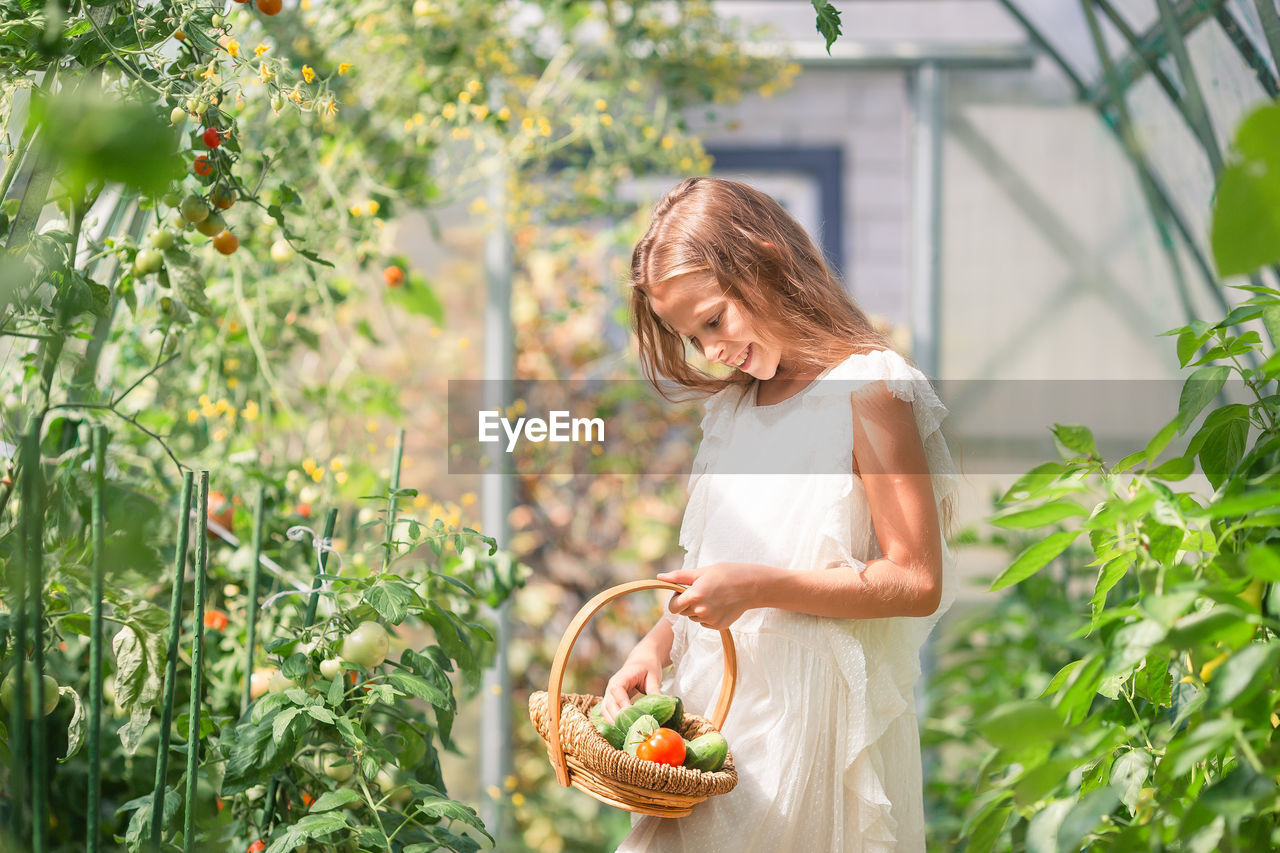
<point x="76" y="623"/>
<point x="1245" y="227"/>
<point x="1056" y="683"/>
<point x="1243" y="674"/>
<point x="1196" y="744"/>
<point x="1245" y="504"/>
<point x="1177" y="468"/>
<point x="1034" y="558"/>
<point x="1263" y="562"/>
<point x="1108" y="576"/>
<point x="391" y="599"/>
<point x="280" y="726"/>
<point x="1198" y="391"/>
<point x="828" y="24"/>
<point x="1085" y="816"/>
<point x="421" y="688"/>
<point x="1162" y="438"/>
<point x="1129" y="775"/>
<point x="1037" y="782"/>
<point x="75" y="729"/>
<point x="417" y="296"/>
<point x="1188" y="342"/>
<point x="434" y="803"/>
<point x="1076" y="439"/>
<point x="1038" y="516"/>
<point x="1022" y="724"/>
<point x="334" y="799"/>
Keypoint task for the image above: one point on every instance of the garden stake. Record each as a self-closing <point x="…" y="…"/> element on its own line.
<point x="252" y="626"/>
<point x="391" y="504"/>
<point x="322" y="549"/>
<point x="197" y="654"/>
<point x="95" y="642"/>
<point x="171" y="663"/>
<point x="33" y="506"/>
<point x="18" y="741"/>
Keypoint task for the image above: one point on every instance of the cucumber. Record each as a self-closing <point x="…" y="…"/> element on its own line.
<point x="627" y="716"/>
<point x="661" y="708"/>
<point x="639" y="732"/>
<point x="611" y="733"/>
<point x="706" y="753"/>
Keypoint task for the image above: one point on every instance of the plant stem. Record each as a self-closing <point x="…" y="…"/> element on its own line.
<point x="197" y="655"/>
<point x="95" y="642"/>
<point x="254" y="579"/>
<point x="171" y="668"/>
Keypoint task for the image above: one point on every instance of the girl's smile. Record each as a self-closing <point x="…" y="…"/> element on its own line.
<point x="698" y="309"/>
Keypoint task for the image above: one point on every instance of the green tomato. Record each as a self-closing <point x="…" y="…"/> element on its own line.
<point x="194" y="209"/>
<point x="172" y="199"/>
<point x="279" y="683"/>
<point x="161" y="239"/>
<point x="10" y="685"/>
<point x="281" y="251"/>
<point x="177" y="116"/>
<point x="367" y="645"/>
<point x="336" y="766"/>
<point x="147" y="261"/>
<point x="211" y="225"/>
<point x="330" y="668"/>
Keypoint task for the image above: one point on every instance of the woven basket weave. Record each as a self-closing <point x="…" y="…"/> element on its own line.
<point x="584" y="759"/>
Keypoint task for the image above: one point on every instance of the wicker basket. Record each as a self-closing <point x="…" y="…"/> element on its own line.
<point x="584" y="759"/>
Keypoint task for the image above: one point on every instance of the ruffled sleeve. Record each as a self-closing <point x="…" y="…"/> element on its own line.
<point x="906" y="383"/>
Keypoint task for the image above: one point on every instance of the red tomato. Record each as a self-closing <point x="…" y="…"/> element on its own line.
<point x="201" y="166"/>
<point x="665" y="746"/>
<point x="211" y="137"/>
<point x="307" y="799"/>
<point x="270" y="7"/>
<point x="221" y="510"/>
<point x="226" y="242"/>
<point x="394" y="276"/>
<point x="257" y="846"/>
<point x="216" y="619"/>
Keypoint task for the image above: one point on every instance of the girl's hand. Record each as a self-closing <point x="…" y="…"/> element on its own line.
<point x="721" y="592"/>
<point x="642" y="672"/>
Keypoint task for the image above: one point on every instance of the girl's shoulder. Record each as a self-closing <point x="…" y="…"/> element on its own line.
<point x="903" y="379"/>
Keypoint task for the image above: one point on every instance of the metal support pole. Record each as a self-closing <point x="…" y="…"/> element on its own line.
<point x="926" y="217"/>
<point x="496" y="490"/>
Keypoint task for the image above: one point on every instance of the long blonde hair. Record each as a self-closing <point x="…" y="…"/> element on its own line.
<point x="743" y="240"/>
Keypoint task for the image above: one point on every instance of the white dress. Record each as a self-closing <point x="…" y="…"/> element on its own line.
<point x="822" y="727"/>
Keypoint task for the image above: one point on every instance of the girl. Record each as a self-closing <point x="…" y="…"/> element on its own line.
<point x="824" y="553"/>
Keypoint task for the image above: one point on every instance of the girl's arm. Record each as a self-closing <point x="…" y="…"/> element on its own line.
<point x="906" y="581"/>
<point x="641" y="671"/>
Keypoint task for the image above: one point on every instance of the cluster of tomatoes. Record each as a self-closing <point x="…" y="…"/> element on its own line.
<point x="195" y="210"/>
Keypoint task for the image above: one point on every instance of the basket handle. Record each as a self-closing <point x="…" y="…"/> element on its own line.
<point x="571" y="636"/>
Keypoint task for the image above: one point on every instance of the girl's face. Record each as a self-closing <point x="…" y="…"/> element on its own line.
<point x="696" y="307"/>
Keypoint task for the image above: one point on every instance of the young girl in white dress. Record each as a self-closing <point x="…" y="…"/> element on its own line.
<point x="818" y="503"/>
